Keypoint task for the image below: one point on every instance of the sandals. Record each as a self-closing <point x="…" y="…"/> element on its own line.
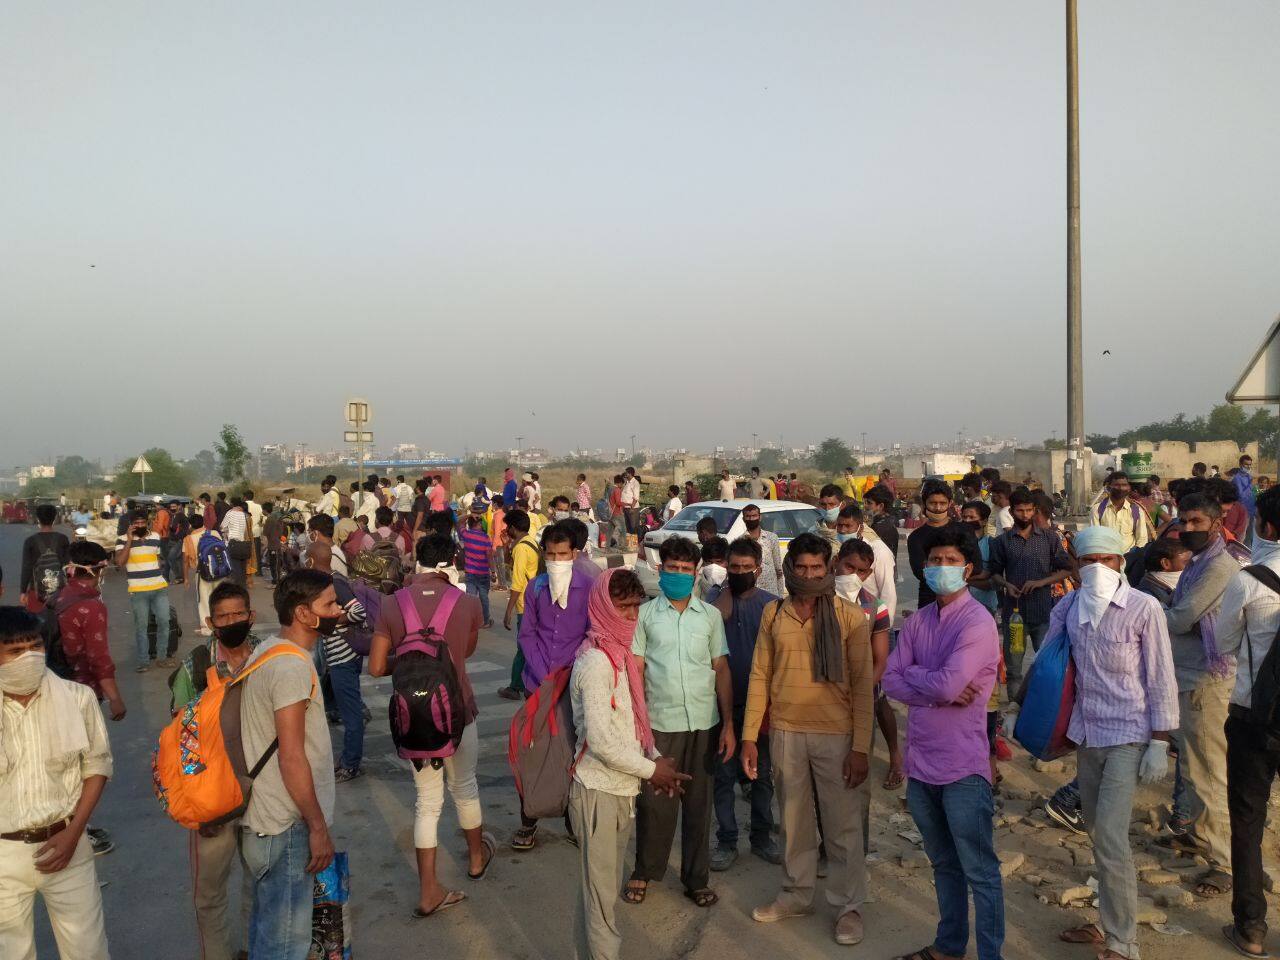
<point x="1089" y="934"/>
<point x="491" y="846"/>
<point x="1234" y="938"/>
<point x="924" y="953"/>
<point x="451" y="899"/>
<point x="634" y="894"/>
<point x="893" y="780"/>
<point x="1213" y="884"/>
<point x="526" y="838"/>
<point x="706" y="897"/>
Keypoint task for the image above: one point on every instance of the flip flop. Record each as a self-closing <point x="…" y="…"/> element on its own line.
<point x="491" y="845"/>
<point x="1219" y="881"/>
<point x="892" y="781"/>
<point x="706" y="897"/>
<point x="633" y="894"/>
<point x="1089" y="933"/>
<point x="1233" y="938"/>
<point x="451" y="899"/>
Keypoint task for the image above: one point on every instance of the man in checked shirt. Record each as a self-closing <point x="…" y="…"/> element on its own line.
<point x="1126" y="704"/>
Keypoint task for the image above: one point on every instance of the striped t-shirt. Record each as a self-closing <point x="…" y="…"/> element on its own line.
<point x="142" y="566"/>
<point x="475" y="550"/>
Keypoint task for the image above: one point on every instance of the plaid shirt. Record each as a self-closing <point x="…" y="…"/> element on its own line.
<point x="1019" y="559"/>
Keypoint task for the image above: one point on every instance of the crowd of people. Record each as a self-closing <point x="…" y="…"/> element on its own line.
<point x="750" y="669"/>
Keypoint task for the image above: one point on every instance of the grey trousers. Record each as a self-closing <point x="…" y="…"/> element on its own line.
<point x="801" y="763"/>
<point x="1108" y="778"/>
<point x="602" y="824"/>
<point x="211" y="863"/>
<point x="1202" y="747"/>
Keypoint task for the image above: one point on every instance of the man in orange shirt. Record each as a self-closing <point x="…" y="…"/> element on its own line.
<point x="497" y="525"/>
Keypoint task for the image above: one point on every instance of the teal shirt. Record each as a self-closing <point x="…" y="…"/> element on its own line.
<point x="678" y="650"/>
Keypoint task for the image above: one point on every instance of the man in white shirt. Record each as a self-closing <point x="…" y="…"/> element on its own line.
<point x="726" y="488"/>
<point x="235" y="528"/>
<point x="1246" y="629"/>
<point x="1001" y="515"/>
<point x="55" y="763"/>
<point x="674" y="505"/>
<point x="403" y="499"/>
<point x="329" y="500"/>
<point x="631" y="499"/>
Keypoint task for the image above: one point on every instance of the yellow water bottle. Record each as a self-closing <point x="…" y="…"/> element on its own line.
<point x="1017" y="632"/>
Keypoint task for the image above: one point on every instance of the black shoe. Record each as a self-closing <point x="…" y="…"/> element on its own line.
<point x="343" y="774"/>
<point x="1064" y="816"/>
<point x="100" y="840"/>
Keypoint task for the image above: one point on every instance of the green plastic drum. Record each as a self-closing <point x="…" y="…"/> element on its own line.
<point x="1136" y="465"/>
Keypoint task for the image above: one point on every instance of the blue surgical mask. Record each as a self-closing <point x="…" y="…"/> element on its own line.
<point x="944" y="581"/>
<point x="831" y="513"/>
<point x="846" y="537"/>
<point x="675" y="586"/>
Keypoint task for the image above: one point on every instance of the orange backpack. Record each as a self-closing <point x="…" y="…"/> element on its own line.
<point x="198" y="769"/>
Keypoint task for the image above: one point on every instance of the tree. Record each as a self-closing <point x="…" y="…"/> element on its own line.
<point x="833" y="456"/>
<point x="166" y="475"/>
<point x="770" y="460"/>
<point x="203" y="467"/>
<point x="1100" y="442"/>
<point x="1055" y="444"/>
<point x="76" y="471"/>
<point x="232" y="453"/>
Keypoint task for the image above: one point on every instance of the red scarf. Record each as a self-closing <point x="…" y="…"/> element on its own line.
<point x="611" y="633"/>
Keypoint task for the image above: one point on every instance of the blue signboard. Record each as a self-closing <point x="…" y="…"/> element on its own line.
<point x="437" y="462"/>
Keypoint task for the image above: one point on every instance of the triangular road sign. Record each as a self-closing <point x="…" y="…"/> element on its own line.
<point x="1260" y="382"/>
<point x="141" y="466"/>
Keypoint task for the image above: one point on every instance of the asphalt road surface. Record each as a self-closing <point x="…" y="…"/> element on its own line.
<point x="524" y="906"/>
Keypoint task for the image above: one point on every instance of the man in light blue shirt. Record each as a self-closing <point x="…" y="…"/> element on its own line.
<point x="681" y="646"/>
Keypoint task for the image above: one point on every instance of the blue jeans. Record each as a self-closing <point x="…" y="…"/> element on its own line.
<point x="345" y="680"/>
<point x="280" y="926"/>
<point x="726" y="786"/>
<point x="145" y="603"/>
<point x="478" y="586"/>
<point x="955" y="820"/>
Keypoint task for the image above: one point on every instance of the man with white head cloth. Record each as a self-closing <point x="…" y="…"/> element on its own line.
<point x="1126" y="704"/>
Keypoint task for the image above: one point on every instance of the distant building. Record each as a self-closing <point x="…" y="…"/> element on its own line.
<point x="43" y="471"/>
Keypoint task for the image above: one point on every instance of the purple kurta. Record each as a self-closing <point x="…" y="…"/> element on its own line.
<point x="549" y="635"/>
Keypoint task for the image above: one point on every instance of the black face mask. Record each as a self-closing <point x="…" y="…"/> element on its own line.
<point x="233" y="634"/>
<point x="1021" y="524"/>
<point x="740" y="583"/>
<point x="751" y="524"/>
<point x="328" y="626"/>
<point x="975" y="526"/>
<point x="1194" y="540"/>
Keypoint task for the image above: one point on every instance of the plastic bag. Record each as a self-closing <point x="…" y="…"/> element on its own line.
<point x="330" y="915"/>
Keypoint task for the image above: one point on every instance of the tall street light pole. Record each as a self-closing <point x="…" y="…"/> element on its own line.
<point x="1077" y="476"/>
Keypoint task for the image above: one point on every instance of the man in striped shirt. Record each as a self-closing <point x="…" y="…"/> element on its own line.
<point x="138" y="554"/>
<point x="477" y="549"/>
<point x="342" y="699"/>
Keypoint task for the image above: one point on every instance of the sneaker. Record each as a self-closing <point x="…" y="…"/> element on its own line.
<point x="100" y="841"/>
<point x="166" y="662"/>
<point x="142" y="667"/>
<point x="509" y="693"/>
<point x="343" y="774"/>
<point x="773" y="912"/>
<point x="1064" y="816"/>
<point x="1004" y="753"/>
<point x="769" y="851"/>
<point x="723" y="857"/>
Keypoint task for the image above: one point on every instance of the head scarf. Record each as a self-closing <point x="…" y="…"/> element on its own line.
<point x="1216" y="663"/>
<point x="610" y="633"/>
<point x="1097" y="541"/>
<point x="828" y="650"/>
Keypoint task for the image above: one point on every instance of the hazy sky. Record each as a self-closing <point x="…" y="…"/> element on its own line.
<point x="579" y="221"/>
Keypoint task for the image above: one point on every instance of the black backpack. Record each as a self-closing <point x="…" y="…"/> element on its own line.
<point x="1265" y="698"/>
<point x="427" y="709"/>
<point x="54" y="654"/>
<point x="47" y="575"/>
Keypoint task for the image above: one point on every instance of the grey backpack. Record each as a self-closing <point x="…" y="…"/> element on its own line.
<point x="541" y="748"/>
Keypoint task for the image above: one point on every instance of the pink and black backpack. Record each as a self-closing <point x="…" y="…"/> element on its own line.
<point x="427" y="710"/>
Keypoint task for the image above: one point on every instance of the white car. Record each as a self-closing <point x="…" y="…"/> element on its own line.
<point x="786" y="518"/>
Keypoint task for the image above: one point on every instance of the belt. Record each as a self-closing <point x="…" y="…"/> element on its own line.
<point x="37" y="835"/>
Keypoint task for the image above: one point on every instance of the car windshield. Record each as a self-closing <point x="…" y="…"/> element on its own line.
<point x="687" y="519"/>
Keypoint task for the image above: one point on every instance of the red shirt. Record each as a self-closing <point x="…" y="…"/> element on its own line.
<point x="82" y="621"/>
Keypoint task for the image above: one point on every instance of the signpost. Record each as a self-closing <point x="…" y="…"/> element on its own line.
<point x="359" y="413"/>
<point x="1260" y="381"/>
<point x="142" y="467"/>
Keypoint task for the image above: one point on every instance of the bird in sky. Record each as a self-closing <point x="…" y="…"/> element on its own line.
<point x="1106" y="353"/>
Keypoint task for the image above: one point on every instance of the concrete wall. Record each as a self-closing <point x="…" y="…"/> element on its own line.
<point x="1172" y="459"/>
<point x="1046" y="467"/>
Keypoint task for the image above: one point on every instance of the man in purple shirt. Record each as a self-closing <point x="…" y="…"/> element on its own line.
<point x="553" y="628"/>
<point x="1126" y="704"/>
<point x="944" y="669"/>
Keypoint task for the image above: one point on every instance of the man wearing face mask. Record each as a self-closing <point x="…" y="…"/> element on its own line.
<point x="284" y="834"/>
<point x="81" y="619"/>
<point x="829" y="501"/>
<point x="1126" y="704"/>
<point x="1247" y="627"/>
<point x="935" y="495"/>
<point x="813" y="671"/>
<point x="713" y="571"/>
<point x="214" y="850"/>
<point x="54" y="765"/>
<point x="1026" y="561"/>
<point x="850" y="525"/>
<point x="944" y="669"/>
<point x="554" y="625"/>
<point x="770" y="550"/>
<point x="680" y="642"/>
<point x="1122" y="514"/>
<point x="741" y="603"/>
<point x="1205" y="673"/>
<point x="320" y="529"/>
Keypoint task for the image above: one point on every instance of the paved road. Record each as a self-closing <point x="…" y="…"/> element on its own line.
<point x="523" y="908"/>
